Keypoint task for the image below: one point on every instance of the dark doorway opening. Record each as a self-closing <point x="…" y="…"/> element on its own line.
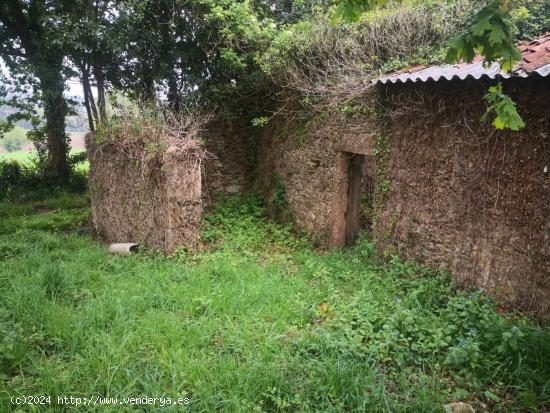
<point x="353" y="213"/>
<point x="353" y="193"/>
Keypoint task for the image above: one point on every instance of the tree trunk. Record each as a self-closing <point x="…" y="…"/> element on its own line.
<point x="55" y="110"/>
<point x="89" y="102"/>
<point x="87" y="105"/>
<point x="148" y="83"/>
<point x="100" y="79"/>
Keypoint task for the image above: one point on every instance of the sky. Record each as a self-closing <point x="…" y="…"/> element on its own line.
<point x="73" y="85"/>
<point x="74" y="89"/>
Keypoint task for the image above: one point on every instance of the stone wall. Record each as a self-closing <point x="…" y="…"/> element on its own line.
<point x="468" y="198"/>
<point x="160" y="207"/>
<point x="461" y="195"/>
<point x="301" y="159"/>
<point x="227" y="171"/>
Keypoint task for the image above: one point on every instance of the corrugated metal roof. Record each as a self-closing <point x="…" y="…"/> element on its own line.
<point x="535" y="59"/>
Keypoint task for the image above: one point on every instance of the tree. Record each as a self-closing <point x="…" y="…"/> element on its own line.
<point x="172" y="55"/>
<point x="32" y="47"/>
<point x="91" y="50"/>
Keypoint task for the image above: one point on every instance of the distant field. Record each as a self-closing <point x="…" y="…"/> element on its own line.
<point x="17" y="132"/>
<point x="25" y="156"/>
<point x="28" y="152"/>
<point x="21" y="156"/>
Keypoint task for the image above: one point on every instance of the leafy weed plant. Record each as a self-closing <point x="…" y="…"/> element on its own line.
<point x="259" y="321"/>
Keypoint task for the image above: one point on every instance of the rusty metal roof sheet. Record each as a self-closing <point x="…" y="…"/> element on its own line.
<point x="535" y="59"/>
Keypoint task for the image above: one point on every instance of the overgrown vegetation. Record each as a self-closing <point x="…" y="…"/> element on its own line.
<point x="14" y="139"/>
<point x="146" y="134"/>
<point x="246" y="58"/>
<point x="21" y="180"/>
<point x="258" y="322"/>
<point x="326" y="66"/>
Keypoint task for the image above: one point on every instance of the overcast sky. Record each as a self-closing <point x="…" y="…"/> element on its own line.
<point x="73" y="85"/>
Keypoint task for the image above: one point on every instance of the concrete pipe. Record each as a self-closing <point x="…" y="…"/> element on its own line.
<point x="123" y="248"/>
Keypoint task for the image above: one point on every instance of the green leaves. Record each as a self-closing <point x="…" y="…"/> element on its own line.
<point x="351" y="10"/>
<point x="490" y="35"/>
<point x="504" y="107"/>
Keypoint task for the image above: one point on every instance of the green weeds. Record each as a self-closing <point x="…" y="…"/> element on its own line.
<point x="258" y="322"/>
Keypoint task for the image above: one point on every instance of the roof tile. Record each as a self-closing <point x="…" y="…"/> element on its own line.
<point x="535" y="58"/>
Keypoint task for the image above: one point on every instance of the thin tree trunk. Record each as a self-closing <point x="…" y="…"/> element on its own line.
<point x="100" y="80"/>
<point x="148" y="84"/>
<point x="93" y="106"/>
<point x="86" y="80"/>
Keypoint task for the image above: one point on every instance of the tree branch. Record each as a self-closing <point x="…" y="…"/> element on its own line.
<point x="12" y="16"/>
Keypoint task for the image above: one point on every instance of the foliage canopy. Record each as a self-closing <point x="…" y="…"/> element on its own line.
<point x="230" y="54"/>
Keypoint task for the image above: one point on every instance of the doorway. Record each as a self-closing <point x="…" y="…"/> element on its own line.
<point x="351" y="183"/>
<point x="353" y="212"/>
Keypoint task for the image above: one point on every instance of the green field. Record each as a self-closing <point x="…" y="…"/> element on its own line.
<point x="27" y="157"/>
<point x="260" y="321"/>
<point x="20" y="156"/>
<point x="16" y="132"/>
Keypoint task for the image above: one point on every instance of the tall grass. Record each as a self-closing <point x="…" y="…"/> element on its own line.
<point x="259" y="322"/>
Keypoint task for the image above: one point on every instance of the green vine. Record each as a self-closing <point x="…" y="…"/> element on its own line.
<point x="382" y="184"/>
<point x="381" y="155"/>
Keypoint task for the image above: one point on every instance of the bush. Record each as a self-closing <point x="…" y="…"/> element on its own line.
<point x="20" y="181"/>
<point x="532" y="19"/>
<point x="14" y="140"/>
<point x="327" y="65"/>
<point x="12" y="350"/>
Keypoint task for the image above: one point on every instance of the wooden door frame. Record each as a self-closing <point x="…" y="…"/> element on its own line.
<point x="340" y="203"/>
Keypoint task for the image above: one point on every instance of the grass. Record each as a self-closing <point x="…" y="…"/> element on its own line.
<point x="260" y="321"/>
<point x="27" y="156"/>
<point x="20" y="156"/>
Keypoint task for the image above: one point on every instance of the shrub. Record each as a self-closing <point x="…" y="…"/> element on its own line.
<point x="13" y="143"/>
<point x="328" y="65"/>
<point x="532" y="19"/>
<point x="19" y="181"/>
<point x="14" y="139"/>
<point x="12" y="350"/>
<point x="145" y="135"/>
